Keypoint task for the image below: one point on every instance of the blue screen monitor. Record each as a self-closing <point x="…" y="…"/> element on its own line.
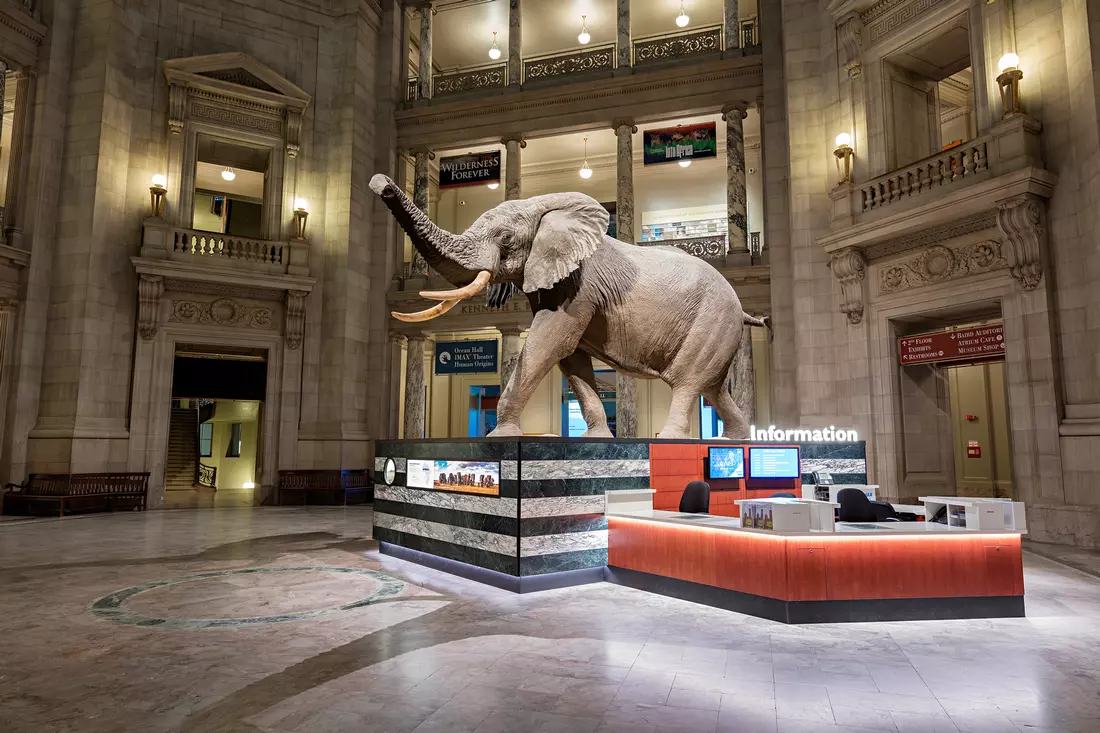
<point x="726" y="462"/>
<point x="774" y="463"/>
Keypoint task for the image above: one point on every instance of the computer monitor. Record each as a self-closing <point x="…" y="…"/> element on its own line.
<point x="774" y="463"/>
<point x="725" y="462"/>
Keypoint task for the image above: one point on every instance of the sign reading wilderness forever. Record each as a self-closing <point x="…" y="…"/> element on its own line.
<point x="470" y="169"/>
<point x="683" y="142"/>
<point x="466" y="357"/>
<point x="983" y="343"/>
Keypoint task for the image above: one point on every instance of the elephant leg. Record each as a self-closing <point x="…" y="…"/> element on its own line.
<point x="554" y="335"/>
<point x="678" y="424"/>
<point x="577" y="368"/>
<point x="734" y="424"/>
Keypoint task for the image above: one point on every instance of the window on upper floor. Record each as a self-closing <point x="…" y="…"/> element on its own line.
<point x="229" y="187"/>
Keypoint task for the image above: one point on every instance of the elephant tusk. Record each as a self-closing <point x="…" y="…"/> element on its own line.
<point x="480" y="283"/>
<point x="426" y="315"/>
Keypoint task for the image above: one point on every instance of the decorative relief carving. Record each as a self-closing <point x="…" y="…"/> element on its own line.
<point x="177" y="107"/>
<point x="940" y="263"/>
<point x="1022" y="221"/>
<point x="678" y="46"/>
<point x="224" y="100"/>
<point x="578" y="62"/>
<point x="975" y="223"/>
<point x="465" y="81"/>
<point x="150" y="288"/>
<point x="223" y="312"/>
<point x="295" y="318"/>
<point x="236" y="119"/>
<point x="243" y="77"/>
<point x="849" y="33"/>
<point x="293" y="132"/>
<point x="707" y="248"/>
<point x="886" y="18"/>
<point x="849" y="268"/>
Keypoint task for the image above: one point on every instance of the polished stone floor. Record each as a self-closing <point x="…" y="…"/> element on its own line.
<point x="287" y="620"/>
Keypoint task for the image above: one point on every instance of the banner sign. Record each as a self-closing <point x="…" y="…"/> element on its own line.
<point x="671" y="144"/>
<point x="469" y="170"/>
<point x="972" y="344"/>
<point x="466" y="357"/>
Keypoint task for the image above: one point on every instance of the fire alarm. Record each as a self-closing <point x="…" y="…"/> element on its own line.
<point x="971" y="418"/>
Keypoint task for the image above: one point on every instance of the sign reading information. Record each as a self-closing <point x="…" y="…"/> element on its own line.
<point x="466" y="357"/>
<point x="684" y="142"/>
<point x="469" y="170"/>
<point x="971" y="344"/>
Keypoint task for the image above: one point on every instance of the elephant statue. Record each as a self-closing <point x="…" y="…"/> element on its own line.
<point x="650" y="312"/>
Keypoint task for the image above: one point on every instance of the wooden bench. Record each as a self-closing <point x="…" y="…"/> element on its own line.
<point x="78" y="492"/>
<point x="333" y="487"/>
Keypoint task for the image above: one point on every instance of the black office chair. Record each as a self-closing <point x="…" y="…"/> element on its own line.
<point x="783" y="495"/>
<point x="856" y="507"/>
<point x="696" y="498"/>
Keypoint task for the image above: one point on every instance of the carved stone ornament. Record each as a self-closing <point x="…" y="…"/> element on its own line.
<point x="177" y="106"/>
<point x="849" y="33"/>
<point x="150" y="288"/>
<point x="940" y="263"/>
<point x="293" y="132"/>
<point x="295" y="318"/>
<point x="849" y="268"/>
<point x="1022" y="221"/>
<point x="223" y="312"/>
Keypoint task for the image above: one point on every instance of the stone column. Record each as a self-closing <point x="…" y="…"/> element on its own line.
<point x="406" y="50"/>
<point x="731" y="27"/>
<point x="743" y="374"/>
<point x="415" y="398"/>
<point x="394" y="341"/>
<point x="623" y="36"/>
<point x="426" y="51"/>
<point x="626" y="399"/>
<point x="509" y="352"/>
<point x="736" y="219"/>
<point x="513" y="185"/>
<point x="515" y="45"/>
<point x="19" y="158"/>
<point x="3" y="88"/>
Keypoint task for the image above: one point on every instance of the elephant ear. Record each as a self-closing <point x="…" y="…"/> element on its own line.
<point x="568" y="232"/>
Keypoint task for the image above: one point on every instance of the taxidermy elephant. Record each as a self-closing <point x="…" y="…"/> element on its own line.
<point x="650" y="312"/>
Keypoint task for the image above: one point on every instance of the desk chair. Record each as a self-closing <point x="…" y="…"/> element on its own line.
<point x="856" y="507"/>
<point x="696" y="498"/>
<point x="783" y="495"/>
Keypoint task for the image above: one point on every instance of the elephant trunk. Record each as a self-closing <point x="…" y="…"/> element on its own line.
<point x="443" y="251"/>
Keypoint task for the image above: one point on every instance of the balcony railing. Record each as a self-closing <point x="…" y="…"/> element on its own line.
<point x="412" y="92"/>
<point x="570" y="63"/>
<point x="468" y="80"/>
<point x="713" y="247"/>
<point x="230" y="251"/>
<point x="672" y="46"/>
<point x="750" y="36"/>
<point x="950" y="167"/>
<point x="206" y="475"/>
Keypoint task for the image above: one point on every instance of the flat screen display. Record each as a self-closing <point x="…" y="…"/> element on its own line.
<point x="467" y="477"/>
<point x="774" y="463"/>
<point x="726" y="462"/>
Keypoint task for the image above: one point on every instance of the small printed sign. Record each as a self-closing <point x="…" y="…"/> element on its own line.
<point x="973" y="449"/>
<point x="466" y="357"/>
<point x="983" y="343"/>
<point x="470" y="169"/>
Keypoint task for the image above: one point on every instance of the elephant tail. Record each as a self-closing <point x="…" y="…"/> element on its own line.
<point x="764" y="322"/>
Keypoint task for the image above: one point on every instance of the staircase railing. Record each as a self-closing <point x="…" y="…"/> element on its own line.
<point x="206" y="475"/>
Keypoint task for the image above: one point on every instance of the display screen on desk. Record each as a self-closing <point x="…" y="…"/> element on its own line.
<point x="774" y="463"/>
<point x="467" y="477"/>
<point x="726" y="462"/>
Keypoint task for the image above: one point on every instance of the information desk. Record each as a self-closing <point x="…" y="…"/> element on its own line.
<point x="860" y="572"/>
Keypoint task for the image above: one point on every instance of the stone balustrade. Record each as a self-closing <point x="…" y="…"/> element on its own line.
<point x="712" y="247"/>
<point x="571" y="63"/>
<point x="672" y="46"/>
<point x="228" y="250"/>
<point x="468" y="80"/>
<point x="947" y="168"/>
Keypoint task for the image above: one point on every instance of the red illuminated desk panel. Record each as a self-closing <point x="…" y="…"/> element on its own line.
<point x="873" y="572"/>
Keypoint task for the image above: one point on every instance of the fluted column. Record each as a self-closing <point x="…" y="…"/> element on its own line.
<point x="426" y="51"/>
<point x="393" y="428"/>
<point x="509" y="353"/>
<point x="513" y="185"/>
<point x="731" y="27"/>
<point x="515" y="44"/>
<point x="736" y="218"/>
<point x="623" y="36"/>
<point x="743" y="374"/>
<point x="626" y="399"/>
<point x="19" y="158"/>
<point x="415" y="399"/>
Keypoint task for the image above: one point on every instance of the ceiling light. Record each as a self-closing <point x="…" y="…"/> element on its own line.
<point x="228" y="174"/>
<point x="682" y="19"/>
<point x="493" y="186"/>
<point x="585" y="171"/>
<point x="584" y="37"/>
<point x="685" y="162"/>
<point x="494" y="50"/>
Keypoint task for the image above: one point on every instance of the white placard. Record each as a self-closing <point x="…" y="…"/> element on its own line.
<point x="419" y="474"/>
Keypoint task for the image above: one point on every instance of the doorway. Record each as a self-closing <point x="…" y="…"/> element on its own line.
<point x="482" y="410"/>
<point x="980" y="435"/>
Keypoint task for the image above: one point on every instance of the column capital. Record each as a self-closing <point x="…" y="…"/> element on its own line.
<point x="514" y="137"/>
<point x="395" y="338"/>
<point x="625" y="123"/>
<point x="511" y="330"/>
<point x="422" y="5"/>
<point x="735" y="108"/>
<point x="418" y="150"/>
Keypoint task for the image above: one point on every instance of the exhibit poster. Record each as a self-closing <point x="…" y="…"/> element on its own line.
<point x="727" y="462"/>
<point x="683" y="142"/>
<point x="470" y="169"/>
<point x="468" y="477"/>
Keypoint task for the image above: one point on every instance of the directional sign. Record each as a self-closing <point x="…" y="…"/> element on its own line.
<point x="466" y="357"/>
<point x="983" y="343"/>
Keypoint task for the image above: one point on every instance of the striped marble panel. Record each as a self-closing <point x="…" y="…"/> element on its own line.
<point x="583" y="450"/>
<point x="542" y="470"/>
<point x="509" y="470"/>
<point x="539" y="526"/>
<point x="498" y="543"/>
<point x="380" y="464"/>
<point x="548" y="544"/>
<point x="498" y="506"/>
<point x="560" y="561"/>
<point x="834" y="465"/>
<point x="556" y="506"/>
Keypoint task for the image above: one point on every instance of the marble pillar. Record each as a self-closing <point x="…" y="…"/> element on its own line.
<point x="743" y="374"/>
<point x="731" y="26"/>
<point x="736" y="199"/>
<point x="626" y="399"/>
<point x="623" y="35"/>
<point x="513" y="184"/>
<point x="415" y="397"/>
<point x="393" y="427"/>
<point x="509" y="353"/>
<point x="426" y="51"/>
<point x="515" y="45"/>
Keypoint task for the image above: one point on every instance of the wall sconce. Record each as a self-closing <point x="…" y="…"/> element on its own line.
<point x="844" y="152"/>
<point x="156" y="193"/>
<point x="1009" y="80"/>
<point x="301" y="213"/>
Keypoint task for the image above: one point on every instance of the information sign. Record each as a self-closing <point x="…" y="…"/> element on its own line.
<point x="982" y="343"/>
<point x="466" y="357"/>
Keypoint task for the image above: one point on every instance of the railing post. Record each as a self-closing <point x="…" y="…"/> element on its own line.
<point x="155" y="238"/>
<point x="297" y="257"/>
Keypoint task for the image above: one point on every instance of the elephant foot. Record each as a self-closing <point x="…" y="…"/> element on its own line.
<point x="602" y="432"/>
<point x="505" y="430"/>
<point x="673" y="434"/>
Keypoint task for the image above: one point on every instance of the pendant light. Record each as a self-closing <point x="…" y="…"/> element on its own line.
<point x="584" y="37"/>
<point x="585" y="171"/>
<point x="493" y="186"/>
<point x="228" y="174"/>
<point x="685" y="162"/>
<point x="494" y="50"/>
<point x="682" y="19"/>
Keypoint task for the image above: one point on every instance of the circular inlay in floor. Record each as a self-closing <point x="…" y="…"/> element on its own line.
<point x="246" y="596"/>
